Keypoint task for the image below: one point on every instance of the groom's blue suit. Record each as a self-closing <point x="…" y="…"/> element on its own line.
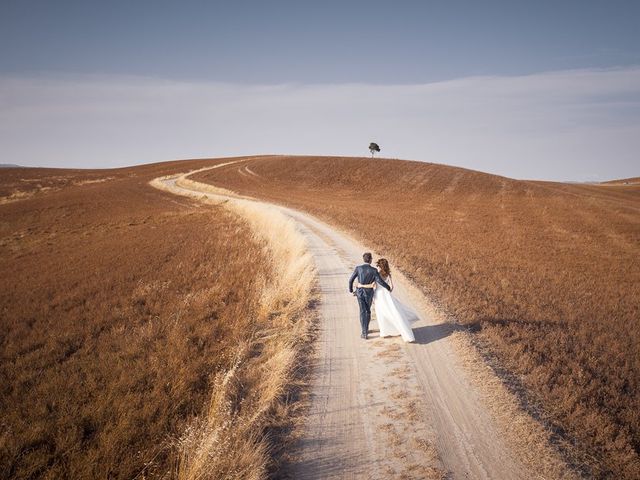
<point x="365" y="274"/>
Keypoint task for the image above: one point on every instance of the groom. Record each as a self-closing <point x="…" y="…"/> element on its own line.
<point x="366" y="274"/>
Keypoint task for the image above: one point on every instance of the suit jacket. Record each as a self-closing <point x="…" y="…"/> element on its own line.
<point x="365" y="274"/>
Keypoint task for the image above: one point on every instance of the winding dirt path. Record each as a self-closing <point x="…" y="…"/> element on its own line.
<point x="381" y="408"/>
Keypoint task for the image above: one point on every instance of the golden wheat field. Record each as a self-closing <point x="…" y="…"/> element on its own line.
<point x="141" y="333"/>
<point x="546" y="275"/>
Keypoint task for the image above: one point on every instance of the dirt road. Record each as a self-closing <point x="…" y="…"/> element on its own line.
<point x="381" y="408"/>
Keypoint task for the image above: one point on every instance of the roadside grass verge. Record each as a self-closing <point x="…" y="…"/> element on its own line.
<point x="257" y="399"/>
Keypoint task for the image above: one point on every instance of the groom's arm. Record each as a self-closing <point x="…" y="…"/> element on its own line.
<point x="382" y="282"/>
<point x="354" y="275"/>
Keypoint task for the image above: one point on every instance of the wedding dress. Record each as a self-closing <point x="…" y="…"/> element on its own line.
<point x="394" y="318"/>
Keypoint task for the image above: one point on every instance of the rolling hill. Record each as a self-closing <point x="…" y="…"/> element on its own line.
<point x="134" y="327"/>
<point x="97" y="266"/>
<point x="546" y="274"/>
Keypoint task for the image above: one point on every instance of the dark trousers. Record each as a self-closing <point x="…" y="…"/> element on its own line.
<point x="365" y="299"/>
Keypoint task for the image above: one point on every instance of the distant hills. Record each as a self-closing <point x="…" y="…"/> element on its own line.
<point x="623" y="181"/>
<point x="10" y="165"/>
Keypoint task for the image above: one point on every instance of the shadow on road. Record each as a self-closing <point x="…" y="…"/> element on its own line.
<point x="433" y="333"/>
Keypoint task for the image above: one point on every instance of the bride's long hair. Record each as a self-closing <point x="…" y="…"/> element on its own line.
<point x="383" y="266"/>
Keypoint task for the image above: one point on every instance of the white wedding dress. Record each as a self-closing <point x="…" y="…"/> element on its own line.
<point x="394" y="318"/>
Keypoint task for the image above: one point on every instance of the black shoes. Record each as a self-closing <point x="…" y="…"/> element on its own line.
<point x="364" y="335"/>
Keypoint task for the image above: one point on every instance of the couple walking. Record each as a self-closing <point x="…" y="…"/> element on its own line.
<point x="375" y="286"/>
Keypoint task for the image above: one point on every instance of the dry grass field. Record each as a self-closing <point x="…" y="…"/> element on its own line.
<point x="136" y="338"/>
<point x="546" y="275"/>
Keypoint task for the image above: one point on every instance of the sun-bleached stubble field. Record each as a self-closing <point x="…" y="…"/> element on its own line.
<point x="546" y="275"/>
<point x="137" y="335"/>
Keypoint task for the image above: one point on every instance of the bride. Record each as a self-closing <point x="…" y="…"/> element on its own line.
<point x="393" y="317"/>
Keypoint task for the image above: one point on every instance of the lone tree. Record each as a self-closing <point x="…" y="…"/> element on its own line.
<point x="373" y="148"/>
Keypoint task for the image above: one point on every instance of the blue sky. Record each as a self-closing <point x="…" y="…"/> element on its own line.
<point x="525" y="89"/>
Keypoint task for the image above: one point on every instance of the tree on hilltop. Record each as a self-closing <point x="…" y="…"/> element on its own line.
<point x="373" y="148"/>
